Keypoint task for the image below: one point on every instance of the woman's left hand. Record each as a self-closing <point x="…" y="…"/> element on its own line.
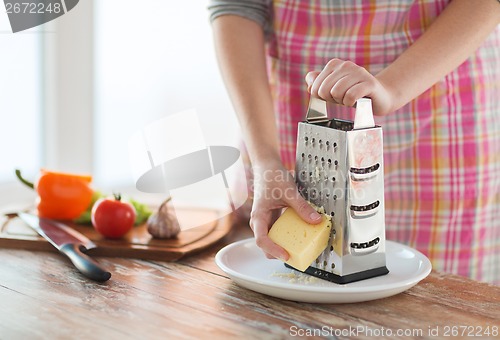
<point x="344" y="82"/>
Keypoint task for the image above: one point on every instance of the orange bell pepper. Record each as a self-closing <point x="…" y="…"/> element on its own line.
<point x="61" y="196"/>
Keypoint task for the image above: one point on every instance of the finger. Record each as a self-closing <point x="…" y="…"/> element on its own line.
<point x="340" y="88"/>
<point x="342" y="77"/>
<point x="330" y="68"/>
<point x="310" y="77"/>
<point x="354" y="93"/>
<point x="348" y="75"/>
<point x="367" y="87"/>
<point x="325" y="90"/>
<point x="271" y="249"/>
<point x="269" y="256"/>
<point x="304" y="209"/>
<point x="260" y="224"/>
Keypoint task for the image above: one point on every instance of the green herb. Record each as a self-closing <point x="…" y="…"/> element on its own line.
<point x="84" y="218"/>
<point x="142" y="211"/>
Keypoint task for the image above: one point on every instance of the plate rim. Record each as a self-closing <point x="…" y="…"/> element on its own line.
<point x="424" y="271"/>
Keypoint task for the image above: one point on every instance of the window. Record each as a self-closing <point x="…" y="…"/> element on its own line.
<point x="109" y="68"/>
<point x="20" y="107"/>
<point x="153" y="59"/>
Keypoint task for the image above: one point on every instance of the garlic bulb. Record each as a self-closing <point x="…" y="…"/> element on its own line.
<point x="163" y="223"/>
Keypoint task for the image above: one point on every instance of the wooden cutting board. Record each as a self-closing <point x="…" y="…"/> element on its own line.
<point x="14" y="233"/>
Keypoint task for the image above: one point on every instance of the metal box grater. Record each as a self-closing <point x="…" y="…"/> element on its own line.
<point x="339" y="167"/>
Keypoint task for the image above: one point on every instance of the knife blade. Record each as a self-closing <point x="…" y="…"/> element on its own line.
<point x="69" y="242"/>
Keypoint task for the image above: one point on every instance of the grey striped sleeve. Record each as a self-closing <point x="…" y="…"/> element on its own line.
<point x="256" y="10"/>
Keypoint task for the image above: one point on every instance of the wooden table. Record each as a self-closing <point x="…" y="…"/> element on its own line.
<point x="42" y="296"/>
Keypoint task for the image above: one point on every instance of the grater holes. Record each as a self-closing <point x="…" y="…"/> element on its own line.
<point x="333" y="179"/>
<point x="306" y="138"/>
<point x="334" y="197"/>
<point x="334" y="144"/>
<point x="336" y="162"/>
<point x="365" y="207"/>
<point x="332" y="214"/>
<point x="364" y="245"/>
<point x="329" y="161"/>
<point x="322" y="159"/>
<point x="365" y="170"/>
<point x="303" y="155"/>
<point x="303" y="175"/>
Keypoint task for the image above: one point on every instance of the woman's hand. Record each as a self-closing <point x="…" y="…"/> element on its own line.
<point x="274" y="188"/>
<point x="344" y="82"/>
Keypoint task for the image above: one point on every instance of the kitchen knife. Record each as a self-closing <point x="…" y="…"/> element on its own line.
<point x="69" y="242"/>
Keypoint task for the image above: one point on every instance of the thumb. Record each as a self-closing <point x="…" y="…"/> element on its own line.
<point x="310" y="78"/>
<point x="304" y="209"/>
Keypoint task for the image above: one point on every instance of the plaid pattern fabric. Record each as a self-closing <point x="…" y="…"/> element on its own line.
<point x="441" y="151"/>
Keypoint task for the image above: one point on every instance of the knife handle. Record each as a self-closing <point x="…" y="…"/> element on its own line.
<point x="84" y="263"/>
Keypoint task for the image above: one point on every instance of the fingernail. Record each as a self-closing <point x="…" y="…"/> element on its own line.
<point x="282" y="258"/>
<point x="315" y="216"/>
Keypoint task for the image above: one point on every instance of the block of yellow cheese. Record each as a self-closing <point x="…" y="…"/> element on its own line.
<point x="303" y="241"/>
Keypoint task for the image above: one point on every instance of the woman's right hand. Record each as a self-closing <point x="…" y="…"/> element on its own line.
<point x="274" y="189"/>
<point x="243" y="66"/>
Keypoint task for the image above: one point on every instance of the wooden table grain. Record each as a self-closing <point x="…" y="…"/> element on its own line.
<point x="43" y="297"/>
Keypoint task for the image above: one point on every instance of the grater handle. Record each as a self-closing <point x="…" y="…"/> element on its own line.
<point x="364" y="114"/>
<point x="317" y="113"/>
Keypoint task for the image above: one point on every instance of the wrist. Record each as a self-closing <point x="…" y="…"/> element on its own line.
<point x="394" y="95"/>
<point x="265" y="156"/>
<point x="267" y="163"/>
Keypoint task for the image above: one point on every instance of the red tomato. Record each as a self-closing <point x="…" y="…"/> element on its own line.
<point x="112" y="218"/>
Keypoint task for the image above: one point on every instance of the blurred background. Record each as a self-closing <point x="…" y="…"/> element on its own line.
<point x="73" y="90"/>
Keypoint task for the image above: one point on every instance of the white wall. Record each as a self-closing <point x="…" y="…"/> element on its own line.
<point x="151" y="58"/>
<point x="20" y="109"/>
<point x="152" y="61"/>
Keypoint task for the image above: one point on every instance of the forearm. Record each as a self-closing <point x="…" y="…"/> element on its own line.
<point x="449" y="41"/>
<point x="240" y="49"/>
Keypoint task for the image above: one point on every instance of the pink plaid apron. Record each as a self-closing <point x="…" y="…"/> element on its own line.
<point x="442" y="150"/>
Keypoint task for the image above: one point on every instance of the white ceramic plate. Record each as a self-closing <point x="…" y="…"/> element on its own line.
<point x="245" y="263"/>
